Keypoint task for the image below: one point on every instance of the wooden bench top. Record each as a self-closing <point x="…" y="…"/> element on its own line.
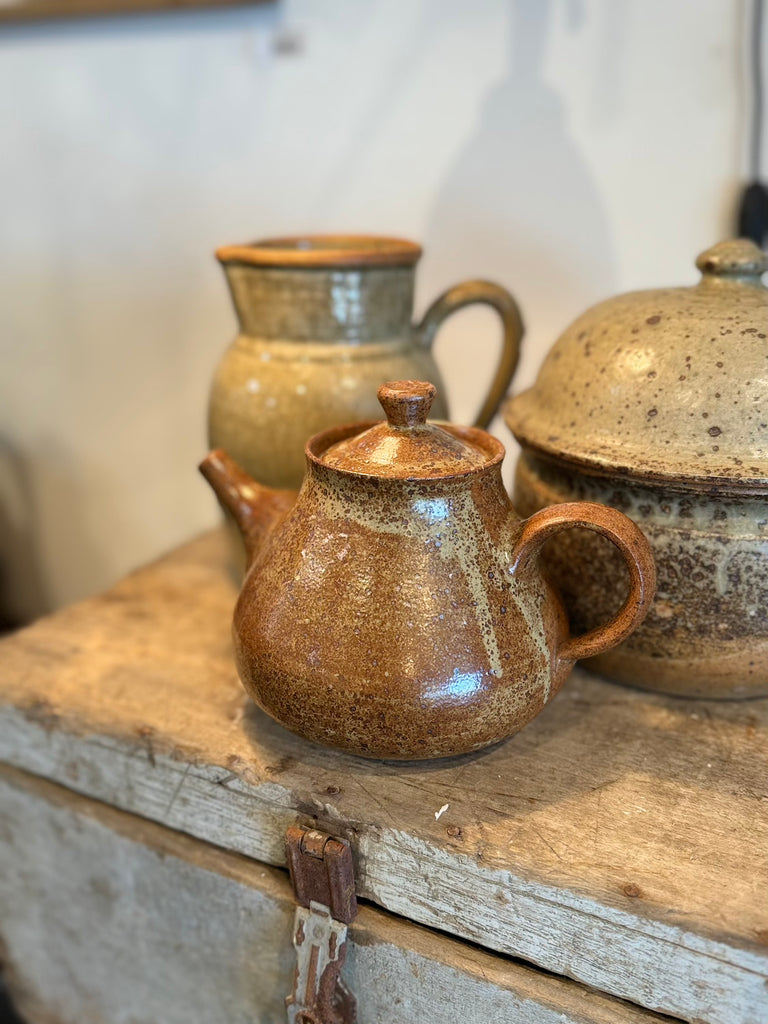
<point x="621" y="839"/>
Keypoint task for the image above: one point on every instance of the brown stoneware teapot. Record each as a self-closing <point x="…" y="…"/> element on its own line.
<point x="395" y="608"/>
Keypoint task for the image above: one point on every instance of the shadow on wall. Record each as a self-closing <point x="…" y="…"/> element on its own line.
<point x="8" y="1014"/>
<point x="42" y="509"/>
<point x="520" y="206"/>
<point x="18" y="553"/>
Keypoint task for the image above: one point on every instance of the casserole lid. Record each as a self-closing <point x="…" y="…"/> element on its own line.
<point x="668" y="384"/>
<point x="405" y="446"/>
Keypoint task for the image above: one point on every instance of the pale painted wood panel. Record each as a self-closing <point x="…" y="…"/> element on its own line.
<point x="108" y="919"/>
<point x="621" y="839"/>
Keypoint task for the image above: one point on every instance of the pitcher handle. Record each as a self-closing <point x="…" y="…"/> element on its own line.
<point x="630" y="541"/>
<point x="489" y="294"/>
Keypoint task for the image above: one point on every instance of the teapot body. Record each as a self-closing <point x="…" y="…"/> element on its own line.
<point x="396" y="608"/>
<point x="384" y="618"/>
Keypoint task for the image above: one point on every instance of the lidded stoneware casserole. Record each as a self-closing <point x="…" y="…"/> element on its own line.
<point x="395" y="607"/>
<point x="656" y="402"/>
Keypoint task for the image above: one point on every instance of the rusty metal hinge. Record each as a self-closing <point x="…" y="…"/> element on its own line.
<point x="324" y="885"/>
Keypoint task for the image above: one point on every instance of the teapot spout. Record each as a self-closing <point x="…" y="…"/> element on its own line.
<point x="254" y="507"/>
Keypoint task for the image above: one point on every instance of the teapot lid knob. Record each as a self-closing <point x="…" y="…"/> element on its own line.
<point x="406" y="402"/>
<point x="737" y="258"/>
<point x="405" y="446"/>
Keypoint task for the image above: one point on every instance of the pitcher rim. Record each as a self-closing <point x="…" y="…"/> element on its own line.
<point x="322" y="250"/>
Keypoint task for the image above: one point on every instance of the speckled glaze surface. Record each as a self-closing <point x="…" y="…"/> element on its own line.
<point x="705" y="634"/>
<point x="324" y="320"/>
<point x="396" y="609"/>
<point x="656" y="403"/>
<point x="668" y="384"/>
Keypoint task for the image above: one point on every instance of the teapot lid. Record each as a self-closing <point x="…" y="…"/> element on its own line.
<point x="668" y="384"/>
<point x="405" y="446"/>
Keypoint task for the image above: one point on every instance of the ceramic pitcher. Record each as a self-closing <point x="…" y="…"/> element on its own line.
<point x="324" y="320"/>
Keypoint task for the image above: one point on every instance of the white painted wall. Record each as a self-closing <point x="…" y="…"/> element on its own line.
<point x="567" y="148"/>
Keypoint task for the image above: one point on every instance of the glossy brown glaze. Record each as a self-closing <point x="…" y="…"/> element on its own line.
<point x="655" y="403"/>
<point x="402" y="614"/>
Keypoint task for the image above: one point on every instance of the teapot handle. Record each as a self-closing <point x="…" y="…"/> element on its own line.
<point x="489" y="294"/>
<point x="630" y="541"/>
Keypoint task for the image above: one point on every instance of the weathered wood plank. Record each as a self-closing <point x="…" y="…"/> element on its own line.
<point x="621" y="839"/>
<point x="114" y="919"/>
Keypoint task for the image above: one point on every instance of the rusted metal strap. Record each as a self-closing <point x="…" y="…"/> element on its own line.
<point x="324" y="885"/>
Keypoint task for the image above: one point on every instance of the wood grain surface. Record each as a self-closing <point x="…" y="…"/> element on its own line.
<point x="163" y="928"/>
<point x="621" y="839"/>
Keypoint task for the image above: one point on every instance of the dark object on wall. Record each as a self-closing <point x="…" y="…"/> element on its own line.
<point x="7" y="1013"/>
<point x="24" y="10"/>
<point x="753" y="213"/>
<point x="753" y="206"/>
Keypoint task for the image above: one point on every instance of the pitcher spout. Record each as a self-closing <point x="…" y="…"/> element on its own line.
<point x="254" y="507"/>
